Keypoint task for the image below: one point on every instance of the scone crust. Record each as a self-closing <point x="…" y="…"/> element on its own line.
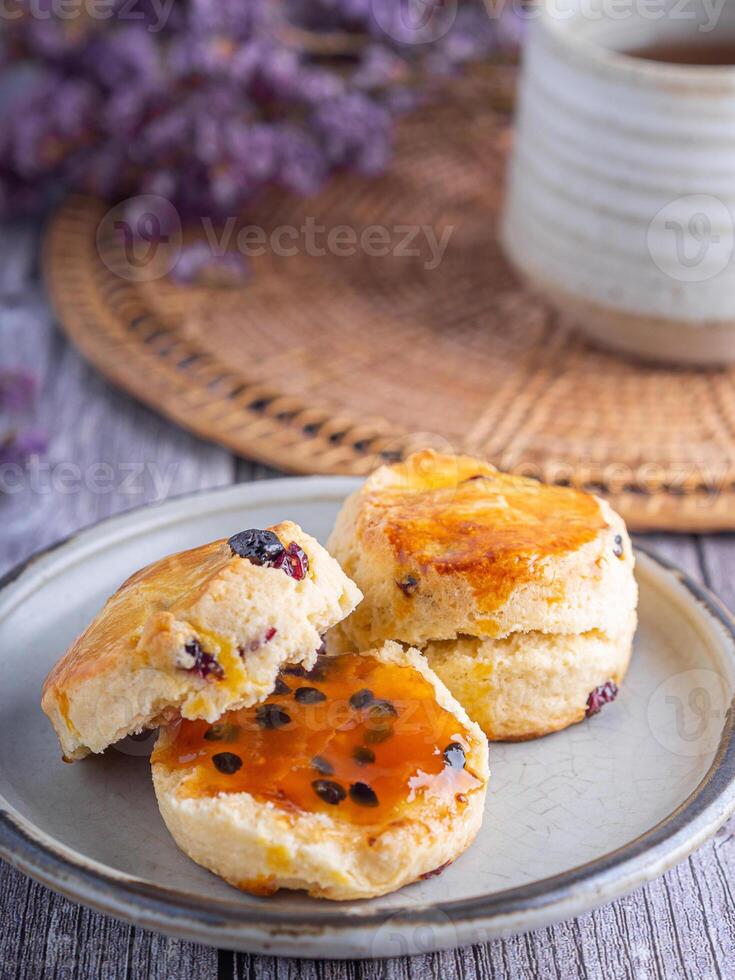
<point x="258" y="847"/>
<point x="529" y="557"/>
<point x="127" y="671"/>
<point x="530" y="684"/>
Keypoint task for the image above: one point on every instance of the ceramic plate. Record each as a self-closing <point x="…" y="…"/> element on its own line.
<point x="573" y="820"/>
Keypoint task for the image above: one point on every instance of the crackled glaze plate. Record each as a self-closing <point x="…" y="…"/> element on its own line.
<point x="572" y="821"/>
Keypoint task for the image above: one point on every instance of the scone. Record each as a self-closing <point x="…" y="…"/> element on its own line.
<point x="351" y="780"/>
<point x="530" y="684"/>
<point x="521" y="595"/>
<point x="195" y="634"/>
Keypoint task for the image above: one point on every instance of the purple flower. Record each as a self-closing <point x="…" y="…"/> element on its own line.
<point x="252" y="148"/>
<point x="217" y="99"/>
<point x="511" y="29"/>
<point x="16" y="447"/>
<point x="126" y="56"/>
<point x="301" y="163"/>
<point x="17" y="389"/>
<point x="354" y="131"/>
<point x="198" y="262"/>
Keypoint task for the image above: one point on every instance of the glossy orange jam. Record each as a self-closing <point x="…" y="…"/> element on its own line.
<point x="358" y="760"/>
<point x="457" y="515"/>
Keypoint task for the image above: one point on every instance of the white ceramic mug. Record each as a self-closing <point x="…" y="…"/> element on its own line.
<point x="621" y="199"/>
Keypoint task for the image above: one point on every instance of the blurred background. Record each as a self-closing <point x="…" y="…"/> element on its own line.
<point x="219" y="162"/>
<point x="289" y="228"/>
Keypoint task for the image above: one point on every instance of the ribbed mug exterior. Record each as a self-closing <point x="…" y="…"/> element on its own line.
<point x="620" y="206"/>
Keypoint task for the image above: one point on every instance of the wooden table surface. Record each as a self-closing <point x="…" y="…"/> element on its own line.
<point x="681" y="925"/>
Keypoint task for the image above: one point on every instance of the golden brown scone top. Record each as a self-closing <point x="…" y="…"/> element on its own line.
<point x="197" y="633"/>
<point x="173" y="582"/>
<point x="459" y="515"/>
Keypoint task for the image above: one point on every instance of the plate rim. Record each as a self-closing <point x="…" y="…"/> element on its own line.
<point x="512" y="910"/>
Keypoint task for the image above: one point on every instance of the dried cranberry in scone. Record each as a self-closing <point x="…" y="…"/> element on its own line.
<point x="197" y="633"/>
<point x="521" y="595"/>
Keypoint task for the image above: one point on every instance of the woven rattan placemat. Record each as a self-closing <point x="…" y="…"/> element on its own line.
<point x="333" y="363"/>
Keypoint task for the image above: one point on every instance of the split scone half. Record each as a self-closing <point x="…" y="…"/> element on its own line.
<point x="521" y="595"/>
<point x="349" y="781"/>
<point x="195" y="634"/>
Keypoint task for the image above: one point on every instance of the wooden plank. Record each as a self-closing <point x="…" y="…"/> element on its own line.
<point x="717" y="555"/>
<point x="43" y="935"/>
<point x="682" y="549"/>
<point x="106" y="454"/>
<point x="247" y="471"/>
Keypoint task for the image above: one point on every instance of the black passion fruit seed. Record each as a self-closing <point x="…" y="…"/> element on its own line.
<point x="227" y="762"/>
<point x="322" y="765"/>
<point x="309" y="695"/>
<point x="362" y="794"/>
<point x="272" y="716"/>
<point x="329" y="791"/>
<point x="363" y="756"/>
<point x="381" y="709"/>
<point x="259" y="547"/>
<point x="377" y="735"/>
<point x="618" y="549"/>
<point x="281" y="687"/>
<point x="362" y="698"/>
<point x="454" y="755"/>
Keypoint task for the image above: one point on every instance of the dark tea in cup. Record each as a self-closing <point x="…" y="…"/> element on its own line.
<point x="688" y="52"/>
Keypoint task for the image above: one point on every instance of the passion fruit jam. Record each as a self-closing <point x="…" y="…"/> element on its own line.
<point x="355" y="737"/>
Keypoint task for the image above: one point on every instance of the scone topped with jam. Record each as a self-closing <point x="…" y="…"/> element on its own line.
<point x="195" y="634"/>
<point x="352" y="779"/>
<point x="521" y="595"/>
